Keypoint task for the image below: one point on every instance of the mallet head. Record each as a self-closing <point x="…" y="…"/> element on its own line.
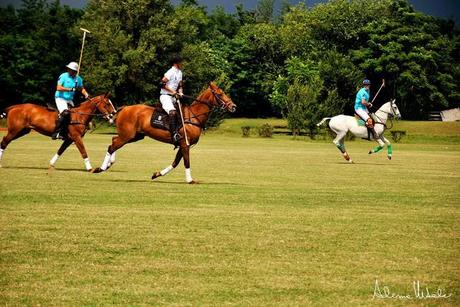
<point x="85" y="30"/>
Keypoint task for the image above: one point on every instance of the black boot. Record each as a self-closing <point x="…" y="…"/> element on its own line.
<point x="61" y="124"/>
<point x="175" y="136"/>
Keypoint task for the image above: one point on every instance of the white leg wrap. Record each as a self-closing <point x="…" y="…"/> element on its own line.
<point x="112" y="158"/>
<point x="1" y="153"/>
<point x="166" y="170"/>
<point x="106" y="162"/>
<point x="54" y="159"/>
<point x="188" y="175"/>
<point x="88" y="164"/>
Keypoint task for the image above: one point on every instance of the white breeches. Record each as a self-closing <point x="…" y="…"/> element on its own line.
<point x="63" y="104"/>
<point x="167" y="102"/>
<point x="362" y="113"/>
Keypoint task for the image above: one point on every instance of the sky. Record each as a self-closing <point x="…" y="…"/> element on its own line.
<point x="439" y="8"/>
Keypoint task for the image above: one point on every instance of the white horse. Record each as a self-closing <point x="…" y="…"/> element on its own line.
<point x="341" y="124"/>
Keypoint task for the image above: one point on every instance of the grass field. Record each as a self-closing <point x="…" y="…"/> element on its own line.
<point x="273" y="222"/>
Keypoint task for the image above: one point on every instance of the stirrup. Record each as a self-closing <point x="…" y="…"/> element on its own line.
<point x="57" y="136"/>
<point x="176" y="137"/>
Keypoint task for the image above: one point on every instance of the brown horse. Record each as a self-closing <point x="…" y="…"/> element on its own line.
<point x="22" y="118"/>
<point x="133" y="123"/>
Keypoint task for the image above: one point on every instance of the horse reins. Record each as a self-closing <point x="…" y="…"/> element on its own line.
<point x="222" y="102"/>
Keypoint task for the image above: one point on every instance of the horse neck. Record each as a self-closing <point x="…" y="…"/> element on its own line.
<point x="382" y="113"/>
<point x="86" y="110"/>
<point x="200" y="109"/>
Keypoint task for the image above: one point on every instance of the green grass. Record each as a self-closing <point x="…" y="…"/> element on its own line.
<point x="274" y="222"/>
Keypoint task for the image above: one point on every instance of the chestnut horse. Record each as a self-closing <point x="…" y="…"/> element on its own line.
<point x="133" y="123"/>
<point x="22" y="118"/>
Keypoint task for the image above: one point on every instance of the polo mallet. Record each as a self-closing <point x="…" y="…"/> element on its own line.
<point x="183" y="123"/>
<point x="383" y="84"/>
<point x="82" y="46"/>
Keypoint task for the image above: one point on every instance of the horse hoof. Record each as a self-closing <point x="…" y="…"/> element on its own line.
<point x="156" y="175"/>
<point x="193" y="182"/>
<point x="370" y="152"/>
<point x="351" y="161"/>
<point x="96" y="170"/>
<point x="389" y="157"/>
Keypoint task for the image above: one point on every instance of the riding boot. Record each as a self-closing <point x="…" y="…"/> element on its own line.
<point x="175" y="136"/>
<point x="59" y="132"/>
<point x="371" y="127"/>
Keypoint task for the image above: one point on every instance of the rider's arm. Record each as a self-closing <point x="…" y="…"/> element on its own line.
<point x="180" y="90"/>
<point x="84" y="92"/>
<point x="365" y="103"/>
<point x="165" y="81"/>
<point x="60" y="88"/>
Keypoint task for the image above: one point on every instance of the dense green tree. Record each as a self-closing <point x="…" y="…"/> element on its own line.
<point x="132" y="42"/>
<point x="418" y="54"/>
<point x="265" y="10"/>
<point x="36" y="41"/>
<point x="255" y="58"/>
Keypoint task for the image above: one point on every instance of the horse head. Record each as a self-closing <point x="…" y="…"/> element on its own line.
<point x="105" y="106"/>
<point x="391" y="109"/>
<point x="221" y="99"/>
<point x="394" y="110"/>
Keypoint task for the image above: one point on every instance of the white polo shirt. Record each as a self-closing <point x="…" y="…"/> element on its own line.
<point x="174" y="76"/>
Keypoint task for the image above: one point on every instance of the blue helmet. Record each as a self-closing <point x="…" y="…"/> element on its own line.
<point x="366" y="82"/>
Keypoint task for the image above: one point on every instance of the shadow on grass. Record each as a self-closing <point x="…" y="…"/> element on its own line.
<point x="171" y="182"/>
<point x="55" y="169"/>
<point x="365" y="163"/>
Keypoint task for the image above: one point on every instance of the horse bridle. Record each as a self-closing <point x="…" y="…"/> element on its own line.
<point x="391" y="115"/>
<point x="223" y="106"/>
<point x="107" y="115"/>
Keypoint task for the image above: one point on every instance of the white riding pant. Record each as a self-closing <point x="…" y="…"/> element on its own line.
<point x="63" y="104"/>
<point x="167" y="102"/>
<point x="362" y="113"/>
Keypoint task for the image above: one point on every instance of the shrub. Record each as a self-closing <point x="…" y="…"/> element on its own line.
<point x="246" y="130"/>
<point x="266" y="130"/>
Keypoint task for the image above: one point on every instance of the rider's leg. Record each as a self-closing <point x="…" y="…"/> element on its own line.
<point x="368" y="121"/>
<point x="64" y="112"/>
<point x="173" y="126"/>
<point x="168" y="105"/>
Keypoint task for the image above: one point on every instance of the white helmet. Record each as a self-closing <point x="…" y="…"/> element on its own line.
<point x="73" y="66"/>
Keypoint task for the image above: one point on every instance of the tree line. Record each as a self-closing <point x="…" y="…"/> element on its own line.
<point x="301" y="63"/>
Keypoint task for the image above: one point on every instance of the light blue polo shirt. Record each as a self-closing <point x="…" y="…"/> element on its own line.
<point x="67" y="81"/>
<point x="362" y="94"/>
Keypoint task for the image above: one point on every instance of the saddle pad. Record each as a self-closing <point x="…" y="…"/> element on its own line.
<point x="160" y="119"/>
<point x="359" y="121"/>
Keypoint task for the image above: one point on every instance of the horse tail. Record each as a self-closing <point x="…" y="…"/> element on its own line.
<point x="324" y="120"/>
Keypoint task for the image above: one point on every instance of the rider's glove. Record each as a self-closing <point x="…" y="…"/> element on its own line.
<point x="369" y="105"/>
<point x="73" y="89"/>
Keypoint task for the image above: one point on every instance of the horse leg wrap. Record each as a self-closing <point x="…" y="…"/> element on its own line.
<point x="188" y="175"/>
<point x="106" y="162"/>
<point x="88" y="164"/>
<point x="54" y="159"/>
<point x="1" y="153"/>
<point x="341" y="147"/>
<point x="166" y="170"/>
<point x="390" y="150"/>
<point x="377" y="149"/>
<point x="112" y="158"/>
